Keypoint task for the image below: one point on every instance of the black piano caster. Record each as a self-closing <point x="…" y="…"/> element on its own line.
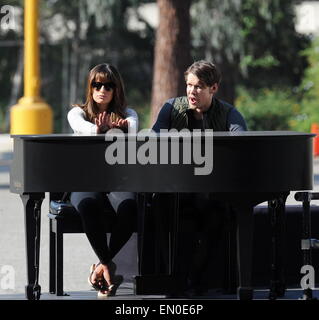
<point x="245" y="293"/>
<point x="33" y="292"/>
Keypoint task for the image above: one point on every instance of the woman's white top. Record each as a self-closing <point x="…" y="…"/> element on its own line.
<point x="79" y="123"/>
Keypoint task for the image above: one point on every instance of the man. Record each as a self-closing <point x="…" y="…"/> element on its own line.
<point x="200" y="109"/>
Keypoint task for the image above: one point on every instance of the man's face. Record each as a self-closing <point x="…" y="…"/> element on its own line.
<point x="198" y="94"/>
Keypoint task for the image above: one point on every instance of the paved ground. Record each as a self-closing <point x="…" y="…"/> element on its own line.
<point x="12" y="245"/>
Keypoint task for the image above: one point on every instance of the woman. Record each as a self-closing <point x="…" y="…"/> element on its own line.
<point x="105" y="108"/>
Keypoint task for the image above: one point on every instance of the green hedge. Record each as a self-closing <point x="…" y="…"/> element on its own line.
<point x="267" y="109"/>
<point x="309" y="89"/>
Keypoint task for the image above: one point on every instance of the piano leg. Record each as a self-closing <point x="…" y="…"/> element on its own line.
<point x="277" y="213"/>
<point x="244" y="251"/>
<point x="148" y="244"/>
<point x="157" y="245"/>
<point x="149" y="280"/>
<point x="142" y="205"/>
<point x="174" y="236"/>
<point x="306" y="236"/>
<point x="32" y="218"/>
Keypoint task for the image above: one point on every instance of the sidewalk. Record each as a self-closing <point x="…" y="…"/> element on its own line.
<point x="6" y="143"/>
<point x="6" y="148"/>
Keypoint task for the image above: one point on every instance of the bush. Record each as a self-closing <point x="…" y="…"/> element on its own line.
<point x="267" y="109"/>
<point x="2" y="121"/>
<point x="309" y="90"/>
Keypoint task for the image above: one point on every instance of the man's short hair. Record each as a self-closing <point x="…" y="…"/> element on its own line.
<point x="205" y="71"/>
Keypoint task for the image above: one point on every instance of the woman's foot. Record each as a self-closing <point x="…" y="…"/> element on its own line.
<point x="96" y="279"/>
<point x="107" y="271"/>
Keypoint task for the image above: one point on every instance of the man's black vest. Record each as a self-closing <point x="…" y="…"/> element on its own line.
<point x="215" y="118"/>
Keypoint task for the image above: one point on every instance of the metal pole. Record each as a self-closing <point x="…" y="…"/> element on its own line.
<point x="31" y="115"/>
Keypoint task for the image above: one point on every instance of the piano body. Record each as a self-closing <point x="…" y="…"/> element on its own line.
<point x="248" y="168"/>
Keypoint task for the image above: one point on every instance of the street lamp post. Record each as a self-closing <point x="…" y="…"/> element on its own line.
<point x="32" y="115"/>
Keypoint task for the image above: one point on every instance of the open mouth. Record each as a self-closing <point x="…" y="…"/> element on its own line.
<point x="192" y="100"/>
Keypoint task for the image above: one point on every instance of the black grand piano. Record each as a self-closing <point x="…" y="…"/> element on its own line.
<point x="248" y="168"/>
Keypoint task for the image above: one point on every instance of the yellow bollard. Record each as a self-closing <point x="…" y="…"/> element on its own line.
<point x="31" y="115"/>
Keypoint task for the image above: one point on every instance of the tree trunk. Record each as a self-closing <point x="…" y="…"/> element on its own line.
<point x="227" y="88"/>
<point x="172" y="52"/>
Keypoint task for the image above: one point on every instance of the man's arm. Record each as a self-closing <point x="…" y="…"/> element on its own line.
<point x="164" y="117"/>
<point x="236" y="121"/>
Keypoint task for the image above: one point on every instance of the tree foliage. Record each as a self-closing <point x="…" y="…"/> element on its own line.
<point x="309" y="90"/>
<point x="75" y="35"/>
<point x="11" y="43"/>
<point x="272" y="47"/>
<point x="268" y="109"/>
<point x="254" y="42"/>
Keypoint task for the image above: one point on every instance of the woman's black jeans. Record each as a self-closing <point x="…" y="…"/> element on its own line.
<point x="92" y="207"/>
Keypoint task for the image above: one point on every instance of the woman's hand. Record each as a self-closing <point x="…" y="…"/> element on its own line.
<point x="120" y="123"/>
<point x="103" y="122"/>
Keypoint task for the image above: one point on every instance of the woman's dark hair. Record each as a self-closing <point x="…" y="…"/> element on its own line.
<point x="105" y="73"/>
<point x="205" y="71"/>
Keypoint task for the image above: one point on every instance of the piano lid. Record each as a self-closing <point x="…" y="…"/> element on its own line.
<point x="216" y="134"/>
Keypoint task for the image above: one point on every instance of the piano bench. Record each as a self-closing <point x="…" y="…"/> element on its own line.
<point x="64" y="218"/>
